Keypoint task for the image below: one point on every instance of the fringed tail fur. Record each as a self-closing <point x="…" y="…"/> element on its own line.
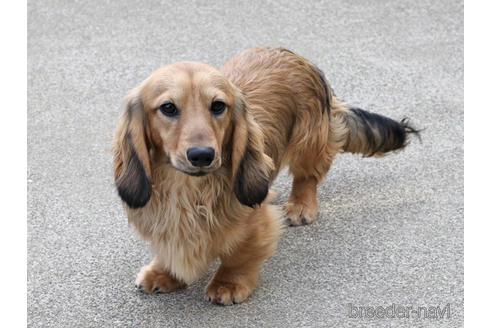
<point x="370" y="134"/>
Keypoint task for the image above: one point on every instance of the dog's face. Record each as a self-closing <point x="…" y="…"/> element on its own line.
<point x="193" y="115"/>
<point x="189" y="108"/>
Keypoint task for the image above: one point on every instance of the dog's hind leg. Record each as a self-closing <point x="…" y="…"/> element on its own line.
<point x="302" y="206"/>
<point x="309" y="163"/>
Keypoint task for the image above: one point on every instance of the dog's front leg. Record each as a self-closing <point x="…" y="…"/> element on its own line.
<point x="238" y="273"/>
<point x="233" y="282"/>
<point x="154" y="278"/>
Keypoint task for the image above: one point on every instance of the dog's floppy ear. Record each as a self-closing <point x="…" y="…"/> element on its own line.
<point x="251" y="167"/>
<point x="131" y="154"/>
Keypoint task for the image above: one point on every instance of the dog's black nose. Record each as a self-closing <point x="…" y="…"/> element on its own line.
<point x="200" y="156"/>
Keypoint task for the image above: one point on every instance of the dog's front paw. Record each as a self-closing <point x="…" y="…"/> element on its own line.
<point x="299" y="214"/>
<point x="155" y="280"/>
<point x="226" y="293"/>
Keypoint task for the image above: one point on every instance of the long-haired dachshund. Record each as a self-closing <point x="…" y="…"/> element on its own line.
<point x="197" y="149"/>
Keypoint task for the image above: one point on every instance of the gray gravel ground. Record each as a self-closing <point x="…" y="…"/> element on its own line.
<point x="389" y="231"/>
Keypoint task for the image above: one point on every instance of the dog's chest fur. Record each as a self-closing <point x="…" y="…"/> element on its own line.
<point x="186" y="223"/>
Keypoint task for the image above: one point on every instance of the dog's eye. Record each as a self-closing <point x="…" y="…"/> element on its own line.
<point x="217" y="107"/>
<point x="168" y="109"/>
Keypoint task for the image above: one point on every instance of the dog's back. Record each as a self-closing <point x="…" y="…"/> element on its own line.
<point x="304" y="124"/>
<point x="287" y="95"/>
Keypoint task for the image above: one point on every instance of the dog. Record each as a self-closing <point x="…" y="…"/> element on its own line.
<point x="196" y="150"/>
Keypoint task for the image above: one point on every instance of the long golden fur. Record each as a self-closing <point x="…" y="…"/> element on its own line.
<point x="264" y="109"/>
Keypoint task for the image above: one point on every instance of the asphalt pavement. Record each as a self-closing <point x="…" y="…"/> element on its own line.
<point x="389" y="231"/>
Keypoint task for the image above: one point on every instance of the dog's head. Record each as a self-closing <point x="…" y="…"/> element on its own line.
<point x="190" y="113"/>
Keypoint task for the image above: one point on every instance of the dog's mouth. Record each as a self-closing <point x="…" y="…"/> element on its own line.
<point x="197" y="174"/>
<point x="195" y="171"/>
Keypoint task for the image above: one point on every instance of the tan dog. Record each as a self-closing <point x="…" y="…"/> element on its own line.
<point x="197" y="148"/>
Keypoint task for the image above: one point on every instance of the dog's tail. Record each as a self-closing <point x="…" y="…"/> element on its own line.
<point x="367" y="133"/>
